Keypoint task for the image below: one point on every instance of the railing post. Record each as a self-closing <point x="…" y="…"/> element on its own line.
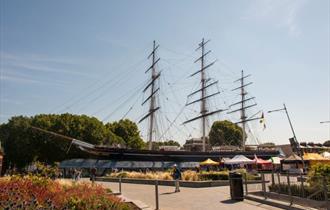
<point x="156" y="194"/>
<point x="273" y="178"/>
<point x="263" y="184"/>
<point x="120" y="184"/>
<point x="325" y="188"/>
<point x="278" y="178"/>
<point x="289" y="187"/>
<point x="246" y="185"/>
<point x="302" y="186"/>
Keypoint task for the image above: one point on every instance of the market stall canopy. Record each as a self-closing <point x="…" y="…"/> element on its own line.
<point x="208" y="162"/>
<point x="275" y="160"/>
<point x="261" y="161"/>
<point x="239" y="159"/>
<point x="313" y="156"/>
<point x="326" y="155"/>
<point x="293" y="157"/>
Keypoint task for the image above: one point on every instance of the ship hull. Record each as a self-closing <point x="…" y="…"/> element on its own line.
<point x="178" y="156"/>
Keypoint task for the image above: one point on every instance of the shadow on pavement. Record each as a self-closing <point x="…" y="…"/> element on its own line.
<point x="168" y="193"/>
<point x="229" y="201"/>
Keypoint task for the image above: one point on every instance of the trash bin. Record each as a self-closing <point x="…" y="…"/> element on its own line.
<point x="236" y="186"/>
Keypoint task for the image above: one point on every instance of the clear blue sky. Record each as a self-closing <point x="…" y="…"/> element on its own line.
<point x="89" y="57"/>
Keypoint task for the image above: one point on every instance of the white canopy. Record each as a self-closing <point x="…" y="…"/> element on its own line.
<point x="326" y="154"/>
<point x="276" y="160"/>
<point x="239" y="159"/>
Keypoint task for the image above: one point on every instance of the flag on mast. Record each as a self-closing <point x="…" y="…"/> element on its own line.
<point x="262" y="120"/>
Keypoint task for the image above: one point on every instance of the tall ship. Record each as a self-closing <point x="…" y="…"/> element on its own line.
<point x="200" y="96"/>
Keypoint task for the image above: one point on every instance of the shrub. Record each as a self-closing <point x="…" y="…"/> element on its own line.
<point x="32" y="192"/>
<point x="297" y="190"/>
<point x="214" y="175"/>
<point x="190" y="176"/>
<point x="318" y="174"/>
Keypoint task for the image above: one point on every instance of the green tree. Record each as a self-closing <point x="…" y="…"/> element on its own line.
<point x="326" y="143"/>
<point x="128" y="132"/>
<point x="225" y="133"/>
<point x="23" y="145"/>
<point x="156" y="145"/>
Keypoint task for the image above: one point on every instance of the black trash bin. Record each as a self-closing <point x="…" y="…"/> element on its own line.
<point x="236" y="186"/>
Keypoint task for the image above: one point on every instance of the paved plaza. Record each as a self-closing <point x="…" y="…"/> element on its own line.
<point x="187" y="199"/>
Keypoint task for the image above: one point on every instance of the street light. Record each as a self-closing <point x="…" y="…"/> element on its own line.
<point x="325" y="122"/>
<point x="294" y="134"/>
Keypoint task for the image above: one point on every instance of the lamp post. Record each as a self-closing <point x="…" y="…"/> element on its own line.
<point x="325" y="122"/>
<point x="293" y="132"/>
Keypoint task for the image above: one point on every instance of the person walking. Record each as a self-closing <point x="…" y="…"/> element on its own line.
<point x="93" y="175"/>
<point x="176" y="176"/>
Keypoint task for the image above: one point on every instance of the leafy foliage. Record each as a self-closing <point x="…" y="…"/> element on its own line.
<point x="23" y="145"/>
<point x="225" y="133"/>
<point x="156" y="145"/>
<point x="318" y="174"/>
<point x="128" y="132"/>
<point x="326" y="143"/>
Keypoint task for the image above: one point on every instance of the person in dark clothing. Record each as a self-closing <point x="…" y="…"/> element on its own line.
<point x="176" y="176"/>
<point x="93" y="175"/>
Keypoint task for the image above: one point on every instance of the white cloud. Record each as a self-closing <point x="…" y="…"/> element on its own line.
<point x="278" y="13"/>
<point x="12" y="76"/>
<point x="39" y="63"/>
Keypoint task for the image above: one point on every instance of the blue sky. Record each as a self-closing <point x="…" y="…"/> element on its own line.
<point x="89" y="57"/>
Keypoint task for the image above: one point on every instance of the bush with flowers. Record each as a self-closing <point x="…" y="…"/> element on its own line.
<point x="32" y="192"/>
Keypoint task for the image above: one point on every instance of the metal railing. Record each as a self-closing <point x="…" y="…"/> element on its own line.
<point x="293" y="186"/>
<point x="156" y="191"/>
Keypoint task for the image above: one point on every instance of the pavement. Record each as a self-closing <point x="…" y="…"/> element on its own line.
<point x="187" y="199"/>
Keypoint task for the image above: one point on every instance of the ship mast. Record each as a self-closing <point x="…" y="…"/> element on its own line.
<point x="204" y="113"/>
<point x="152" y="97"/>
<point x="243" y="105"/>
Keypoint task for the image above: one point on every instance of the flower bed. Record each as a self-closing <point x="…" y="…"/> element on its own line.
<point x="33" y="192"/>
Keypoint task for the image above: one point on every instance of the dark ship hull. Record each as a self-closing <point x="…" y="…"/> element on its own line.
<point x="176" y="156"/>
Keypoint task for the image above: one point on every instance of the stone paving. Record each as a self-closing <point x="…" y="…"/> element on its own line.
<point x="188" y="199"/>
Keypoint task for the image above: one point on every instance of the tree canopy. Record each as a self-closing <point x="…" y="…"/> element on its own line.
<point x="23" y="145"/>
<point x="225" y="133"/>
<point x="128" y="132"/>
<point x="326" y="143"/>
<point x="156" y="145"/>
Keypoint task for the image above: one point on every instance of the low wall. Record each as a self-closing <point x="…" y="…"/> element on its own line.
<point x="192" y="184"/>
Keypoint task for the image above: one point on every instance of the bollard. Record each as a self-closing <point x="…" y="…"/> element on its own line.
<point x="273" y="178"/>
<point x="120" y="185"/>
<point x="156" y="194"/>
<point x="289" y="187"/>
<point x="302" y="186"/>
<point x="263" y="184"/>
<point x="246" y="186"/>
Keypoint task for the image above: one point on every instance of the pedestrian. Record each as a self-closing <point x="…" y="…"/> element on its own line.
<point x="176" y="176"/>
<point x="93" y="175"/>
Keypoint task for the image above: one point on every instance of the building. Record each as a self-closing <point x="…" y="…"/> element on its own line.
<point x="196" y="145"/>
